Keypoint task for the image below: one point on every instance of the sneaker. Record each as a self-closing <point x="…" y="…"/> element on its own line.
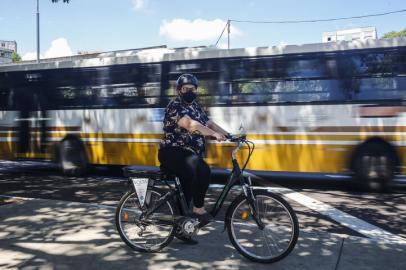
<point x="186" y="239"/>
<point x="204" y="219"/>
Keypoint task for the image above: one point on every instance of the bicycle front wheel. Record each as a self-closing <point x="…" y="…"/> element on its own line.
<point x="276" y="240"/>
<point x="149" y="234"/>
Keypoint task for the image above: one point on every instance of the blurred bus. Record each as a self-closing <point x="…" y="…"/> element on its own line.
<point x="331" y="108"/>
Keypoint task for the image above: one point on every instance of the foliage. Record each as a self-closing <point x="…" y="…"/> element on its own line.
<point x="56" y="1"/>
<point x="15" y="57"/>
<point x="393" y="34"/>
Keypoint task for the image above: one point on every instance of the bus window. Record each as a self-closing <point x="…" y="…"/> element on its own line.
<point x="207" y="73"/>
<point x="399" y="63"/>
<point x="273" y="80"/>
<point x="73" y="97"/>
<point x="371" y="76"/>
<point x="4" y="98"/>
<point x="381" y="88"/>
<point x="307" y="68"/>
<point x="287" y="91"/>
<point x="149" y="84"/>
<point x="108" y="87"/>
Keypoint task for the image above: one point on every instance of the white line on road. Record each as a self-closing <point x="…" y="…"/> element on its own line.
<point x="371" y="231"/>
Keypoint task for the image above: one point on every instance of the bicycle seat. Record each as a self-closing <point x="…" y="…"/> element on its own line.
<point x="142" y="172"/>
<point x="148" y="172"/>
<point x="167" y="173"/>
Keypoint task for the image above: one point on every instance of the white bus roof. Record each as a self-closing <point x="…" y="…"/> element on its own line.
<point x="161" y="53"/>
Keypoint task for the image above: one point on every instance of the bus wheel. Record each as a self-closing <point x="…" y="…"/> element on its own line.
<point x="374" y="166"/>
<point x="72" y="157"/>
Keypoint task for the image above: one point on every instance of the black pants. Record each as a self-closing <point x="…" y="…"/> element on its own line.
<point x="192" y="170"/>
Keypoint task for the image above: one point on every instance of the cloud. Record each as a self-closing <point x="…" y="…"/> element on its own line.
<point x="30" y="56"/>
<point x="196" y="30"/>
<point x="59" y="48"/>
<point x="139" y="4"/>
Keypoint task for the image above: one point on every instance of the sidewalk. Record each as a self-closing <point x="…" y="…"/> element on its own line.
<point x="46" y="234"/>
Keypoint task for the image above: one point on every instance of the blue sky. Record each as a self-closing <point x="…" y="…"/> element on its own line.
<point x="104" y="25"/>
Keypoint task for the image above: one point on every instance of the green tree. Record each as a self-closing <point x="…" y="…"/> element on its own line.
<point x="393" y="34"/>
<point x="15" y="57"/>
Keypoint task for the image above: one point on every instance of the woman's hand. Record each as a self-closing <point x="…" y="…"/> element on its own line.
<point x="219" y="137"/>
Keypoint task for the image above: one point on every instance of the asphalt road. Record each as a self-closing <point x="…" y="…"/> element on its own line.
<point x="321" y="206"/>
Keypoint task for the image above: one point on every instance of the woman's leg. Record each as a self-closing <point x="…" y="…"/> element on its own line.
<point x="201" y="184"/>
<point x="192" y="170"/>
<point x="184" y="164"/>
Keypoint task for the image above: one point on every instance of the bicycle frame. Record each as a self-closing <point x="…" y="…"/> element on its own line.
<point x="235" y="176"/>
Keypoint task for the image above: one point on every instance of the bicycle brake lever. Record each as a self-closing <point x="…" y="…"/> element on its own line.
<point x="237" y="138"/>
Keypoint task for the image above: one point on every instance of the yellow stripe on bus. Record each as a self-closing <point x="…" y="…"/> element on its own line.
<point x="310" y="153"/>
<point x="276" y="158"/>
<point x="300" y="136"/>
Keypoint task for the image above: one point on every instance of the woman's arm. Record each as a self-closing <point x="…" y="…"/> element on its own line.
<point x="192" y="126"/>
<point x="217" y="128"/>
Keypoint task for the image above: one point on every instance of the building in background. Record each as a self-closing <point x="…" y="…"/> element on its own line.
<point x="361" y="33"/>
<point x="6" y="50"/>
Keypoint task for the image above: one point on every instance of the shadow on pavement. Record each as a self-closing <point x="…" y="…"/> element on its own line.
<point x="67" y="235"/>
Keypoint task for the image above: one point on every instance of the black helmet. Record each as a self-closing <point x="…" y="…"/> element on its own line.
<point x="186" y="79"/>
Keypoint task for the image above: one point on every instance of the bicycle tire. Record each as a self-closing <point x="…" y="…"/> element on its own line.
<point x="123" y="235"/>
<point x="283" y="206"/>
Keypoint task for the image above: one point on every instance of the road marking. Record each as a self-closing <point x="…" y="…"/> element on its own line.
<point x="371" y="231"/>
<point x="18" y="198"/>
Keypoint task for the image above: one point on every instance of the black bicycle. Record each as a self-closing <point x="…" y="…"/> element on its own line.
<point x="261" y="225"/>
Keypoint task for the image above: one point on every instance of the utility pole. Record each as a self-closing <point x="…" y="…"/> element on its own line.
<point x="228" y="34"/>
<point x="38" y="59"/>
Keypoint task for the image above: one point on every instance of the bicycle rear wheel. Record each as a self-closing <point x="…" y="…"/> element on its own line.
<point x="146" y="235"/>
<point x="276" y="240"/>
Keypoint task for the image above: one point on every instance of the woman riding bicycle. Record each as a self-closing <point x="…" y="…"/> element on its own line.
<point x="261" y="225"/>
<point x="183" y="145"/>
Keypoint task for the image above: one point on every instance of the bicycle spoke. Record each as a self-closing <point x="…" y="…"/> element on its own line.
<point x="274" y="242"/>
<point x="276" y="236"/>
<point x="266" y="242"/>
<point x="149" y="233"/>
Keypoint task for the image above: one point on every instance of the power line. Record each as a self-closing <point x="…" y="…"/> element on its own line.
<point x="308" y="21"/>
<point x="324" y="20"/>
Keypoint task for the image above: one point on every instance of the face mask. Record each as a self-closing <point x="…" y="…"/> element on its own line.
<point x="189" y="96"/>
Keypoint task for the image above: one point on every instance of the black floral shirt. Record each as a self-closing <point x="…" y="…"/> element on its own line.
<point x="175" y="135"/>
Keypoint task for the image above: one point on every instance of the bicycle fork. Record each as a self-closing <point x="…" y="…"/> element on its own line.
<point x="249" y="194"/>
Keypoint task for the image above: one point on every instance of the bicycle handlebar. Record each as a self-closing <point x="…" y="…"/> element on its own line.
<point x="236" y="138"/>
<point x="240" y="139"/>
